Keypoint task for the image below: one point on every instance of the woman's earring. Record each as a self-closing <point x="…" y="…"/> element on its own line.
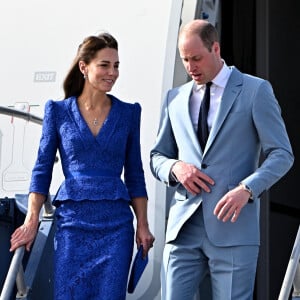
<point x="84" y="76"/>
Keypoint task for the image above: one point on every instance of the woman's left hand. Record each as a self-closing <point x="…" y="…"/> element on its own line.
<point x="144" y="237"/>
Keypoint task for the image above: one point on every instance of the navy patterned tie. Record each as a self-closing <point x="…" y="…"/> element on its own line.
<point x="202" y="121"/>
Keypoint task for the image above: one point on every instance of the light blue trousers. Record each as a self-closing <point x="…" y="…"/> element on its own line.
<point x="188" y="259"/>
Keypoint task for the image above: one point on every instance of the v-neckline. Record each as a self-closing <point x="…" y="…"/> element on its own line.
<point x="95" y="136"/>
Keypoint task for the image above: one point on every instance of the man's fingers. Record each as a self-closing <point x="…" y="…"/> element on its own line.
<point x="205" y="178"/>
<point x="224" y="211"/>
<point x="235" y="215"/>
<point x="218" y="207"/>
<point x="202" y="185"/>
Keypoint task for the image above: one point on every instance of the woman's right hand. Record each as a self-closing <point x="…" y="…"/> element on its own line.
<point x="24" y="235"/>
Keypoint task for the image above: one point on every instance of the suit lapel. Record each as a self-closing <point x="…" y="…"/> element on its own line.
<point x="232" y="90"/>
<point x="182" y="116"/>
<point x="186" y="110"/>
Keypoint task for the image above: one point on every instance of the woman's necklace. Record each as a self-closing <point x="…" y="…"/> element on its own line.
<point x="95" y="122"/>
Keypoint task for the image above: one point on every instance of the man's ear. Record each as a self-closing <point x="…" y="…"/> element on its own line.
<point x="216" y="47"/>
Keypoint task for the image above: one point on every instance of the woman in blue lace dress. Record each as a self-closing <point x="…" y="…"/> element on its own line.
<point x="98" y="139"/>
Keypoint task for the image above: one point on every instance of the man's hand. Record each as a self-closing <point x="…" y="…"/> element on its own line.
<point x="191" y="177"/>
<point x="231" y="204"/>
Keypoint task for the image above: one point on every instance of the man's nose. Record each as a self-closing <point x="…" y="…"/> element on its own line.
<point x="191" y="66"/>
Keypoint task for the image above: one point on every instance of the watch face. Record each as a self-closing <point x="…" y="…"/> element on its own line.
<point x="246" y="188"/>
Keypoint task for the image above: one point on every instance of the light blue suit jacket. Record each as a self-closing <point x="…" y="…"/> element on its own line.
<point x="247" y="124"/>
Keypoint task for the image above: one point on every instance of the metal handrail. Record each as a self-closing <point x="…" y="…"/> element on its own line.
<point x="20" y="114"/>
<point x="48" y="208"/>
<point x="14" y="268"/>
<point x="21" y="284"/>
<point x="16" y="273"/>
<point x="291" y="270"/>
<point x="296" y="284"/>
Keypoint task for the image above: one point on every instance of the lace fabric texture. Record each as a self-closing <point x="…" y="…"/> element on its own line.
<point x="92" y="250"/>
<point x="92" y="165"/>
<point x="94" y="223"/>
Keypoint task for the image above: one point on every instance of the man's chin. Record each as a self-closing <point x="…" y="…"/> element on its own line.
<point x="198" y="79"/>
<point x="198" y="82"/>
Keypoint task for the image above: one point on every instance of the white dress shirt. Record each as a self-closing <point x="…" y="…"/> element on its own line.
<point x="216" y="93"/>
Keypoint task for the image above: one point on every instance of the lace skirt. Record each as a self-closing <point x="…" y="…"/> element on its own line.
<point x="93" y="248"/>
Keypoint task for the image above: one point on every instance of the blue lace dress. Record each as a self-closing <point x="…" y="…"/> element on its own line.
<point x="94" y="235"/>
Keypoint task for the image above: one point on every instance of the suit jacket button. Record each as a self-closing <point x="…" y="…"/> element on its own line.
<point x="204" y="166"/>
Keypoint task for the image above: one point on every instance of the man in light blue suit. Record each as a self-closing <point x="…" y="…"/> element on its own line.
<point x="213" y="222"/>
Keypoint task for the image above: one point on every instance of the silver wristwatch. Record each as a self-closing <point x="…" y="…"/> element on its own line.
<point x="246" y="188"/>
